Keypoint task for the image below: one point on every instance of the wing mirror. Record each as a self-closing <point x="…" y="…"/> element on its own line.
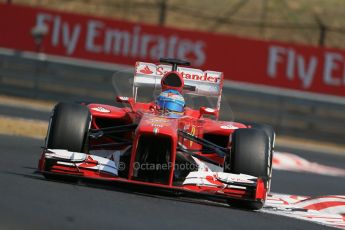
<point x="126" y="100"/>
<point x="208" y="111"/>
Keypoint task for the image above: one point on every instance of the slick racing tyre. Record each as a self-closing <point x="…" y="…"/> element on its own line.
<point x="267" y="129"/>
<point x="68" y="127"/>
<point x="250" y="153"/>
<point x="271" y="135"/>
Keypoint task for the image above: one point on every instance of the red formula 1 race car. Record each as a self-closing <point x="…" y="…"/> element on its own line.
<point x="171" y="142"/>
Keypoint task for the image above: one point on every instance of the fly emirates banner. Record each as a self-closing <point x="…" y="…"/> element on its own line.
<point x="283" y="65"/>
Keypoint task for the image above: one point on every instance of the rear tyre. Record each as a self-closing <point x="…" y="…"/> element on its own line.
<point x="69" y="127"/>
<point x="249" y="154"/>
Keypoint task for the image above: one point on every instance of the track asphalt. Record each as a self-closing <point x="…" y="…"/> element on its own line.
<point x="28" y="201"/>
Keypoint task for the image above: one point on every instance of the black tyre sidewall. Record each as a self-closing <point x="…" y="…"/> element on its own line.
<point x="69" y="127"/>
<point x="271" y="135"/>
<point x="250" y="152"/>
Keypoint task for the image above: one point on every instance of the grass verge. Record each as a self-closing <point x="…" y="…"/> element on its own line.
<point x="23" y="127"/>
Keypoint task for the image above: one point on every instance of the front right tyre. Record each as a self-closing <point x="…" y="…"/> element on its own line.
<point x="68" y="128"/>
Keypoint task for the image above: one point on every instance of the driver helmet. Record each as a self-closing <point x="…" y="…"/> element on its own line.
<point x="171" y="102"/>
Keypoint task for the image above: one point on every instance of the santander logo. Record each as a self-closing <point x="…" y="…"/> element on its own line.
<point x="204" y="77"/>
<point x="186" y="73"/>
<point x="192" y="74"/>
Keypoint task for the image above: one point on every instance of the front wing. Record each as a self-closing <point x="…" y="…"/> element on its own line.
<point x="204" y="182"/>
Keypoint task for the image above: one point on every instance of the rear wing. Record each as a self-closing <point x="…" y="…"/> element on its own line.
<point x="202" y="83"/>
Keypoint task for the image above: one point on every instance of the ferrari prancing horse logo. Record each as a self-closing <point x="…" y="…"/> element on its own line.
<point x="193" y="131"/>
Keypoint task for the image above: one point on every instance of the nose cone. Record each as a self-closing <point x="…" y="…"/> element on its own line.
<point x="155" y="125"/>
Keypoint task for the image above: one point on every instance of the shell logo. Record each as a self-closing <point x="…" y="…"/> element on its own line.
<point x="101" y="109"/>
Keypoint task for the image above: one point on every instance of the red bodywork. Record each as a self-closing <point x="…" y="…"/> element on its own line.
<point x="153" y="125"/>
